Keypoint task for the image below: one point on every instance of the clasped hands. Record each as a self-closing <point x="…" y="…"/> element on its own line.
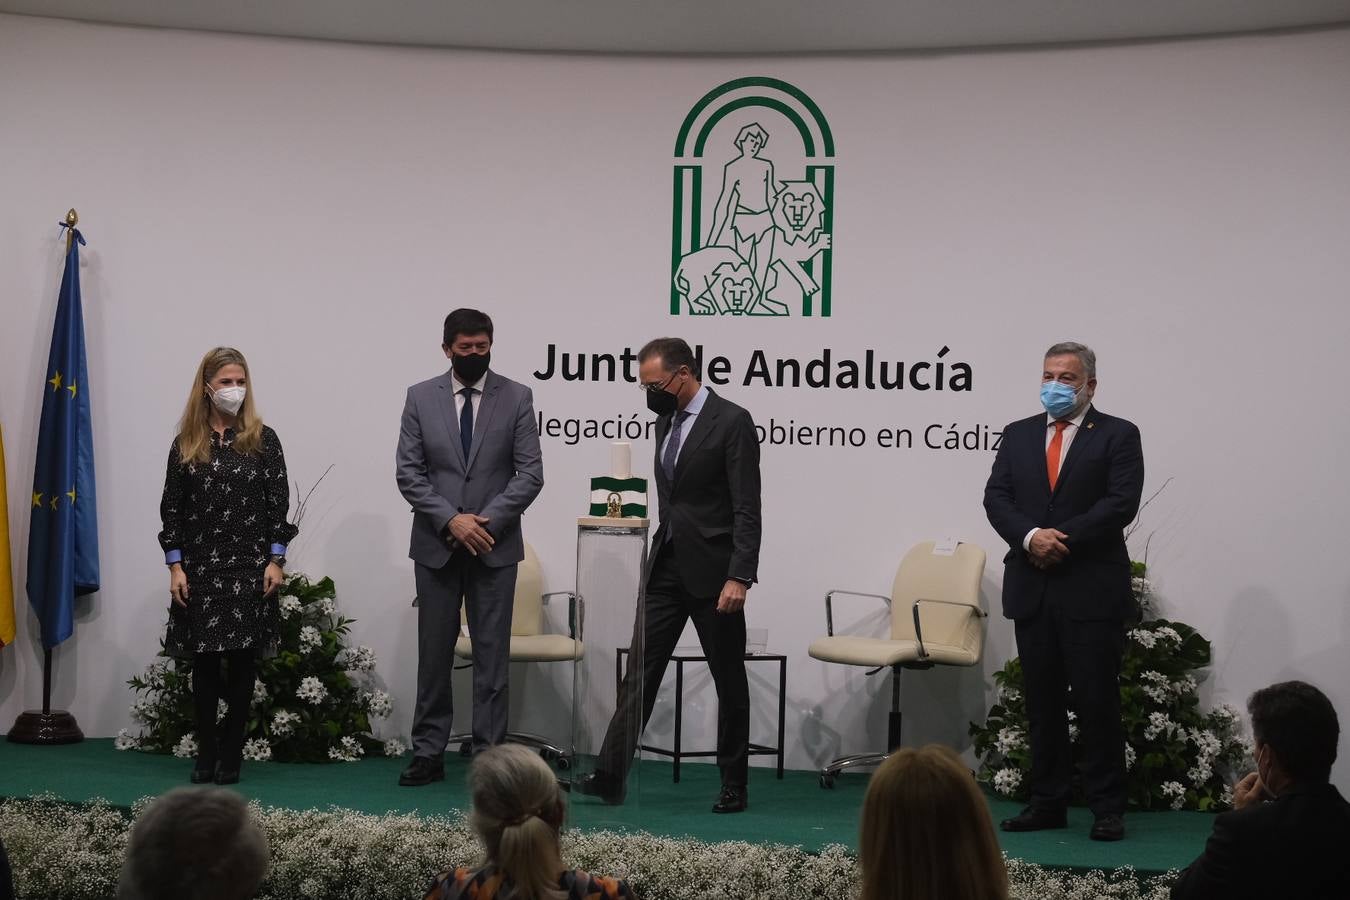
<point x="1047" y="547"/>
<point x="470" y="531"/>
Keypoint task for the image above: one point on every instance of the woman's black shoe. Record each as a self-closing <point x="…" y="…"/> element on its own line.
<point x="203" y="776"/>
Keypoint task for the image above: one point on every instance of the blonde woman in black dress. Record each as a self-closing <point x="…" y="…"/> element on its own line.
<point x="226" y="496"/>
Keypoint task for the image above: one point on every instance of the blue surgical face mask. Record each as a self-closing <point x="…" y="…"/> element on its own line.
<point x="1058" y="399"/>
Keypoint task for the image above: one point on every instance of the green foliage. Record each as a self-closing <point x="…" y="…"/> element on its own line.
<point x="1178" y="756"/>
<point x="313" y="701"/>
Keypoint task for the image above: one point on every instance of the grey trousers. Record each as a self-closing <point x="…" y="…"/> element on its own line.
<point x="488" y="594"/>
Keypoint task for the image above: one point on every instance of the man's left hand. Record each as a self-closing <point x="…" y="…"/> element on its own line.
<point x="732" y="598"/>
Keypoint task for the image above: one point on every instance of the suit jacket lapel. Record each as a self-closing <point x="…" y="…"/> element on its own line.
<point x="703" y="424"/>
<point x="445" y="399"/>
<point x="486" y="407"/>
<point x="1086" y="431"/>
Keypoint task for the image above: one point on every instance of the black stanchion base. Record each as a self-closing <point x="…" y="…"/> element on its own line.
<point x="36" y="727"/>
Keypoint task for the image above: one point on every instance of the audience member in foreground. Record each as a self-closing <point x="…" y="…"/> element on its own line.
<point x="926" y="832"/>
<point x="6" y="879"/>
<point x="517" y="811"/>
<point x="194" y="844"/>
<point x="1289" y="829"/>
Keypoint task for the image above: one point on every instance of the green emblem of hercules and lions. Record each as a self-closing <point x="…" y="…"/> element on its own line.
<point x="765" y="248"/>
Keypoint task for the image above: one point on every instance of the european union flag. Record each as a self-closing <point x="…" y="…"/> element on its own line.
<point x="63" y="537"/>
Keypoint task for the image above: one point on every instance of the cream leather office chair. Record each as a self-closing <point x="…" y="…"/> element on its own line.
<point x="530" y="643"/>
<point x="936" y="619"/>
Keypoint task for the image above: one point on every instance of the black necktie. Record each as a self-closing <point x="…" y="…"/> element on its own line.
<point x="466" y="421"/>
<point x="673" y="445"/>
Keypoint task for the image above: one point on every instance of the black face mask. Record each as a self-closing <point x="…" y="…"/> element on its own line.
<point x="663" y="402"/>
<point x="472" y="367"/>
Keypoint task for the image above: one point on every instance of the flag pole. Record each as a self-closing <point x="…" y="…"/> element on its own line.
<point x="47" y="727"/>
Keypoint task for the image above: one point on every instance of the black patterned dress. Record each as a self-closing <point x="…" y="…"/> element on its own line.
<point x="222" y="520"/>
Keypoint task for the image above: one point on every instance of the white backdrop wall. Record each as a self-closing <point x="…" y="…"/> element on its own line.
<point x="1182" y="207"/>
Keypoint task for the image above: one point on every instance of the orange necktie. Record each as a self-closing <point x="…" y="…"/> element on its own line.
<point x="1052" y="453"/>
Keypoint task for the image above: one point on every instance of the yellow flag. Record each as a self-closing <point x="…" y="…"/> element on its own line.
<point x="6" y="573"/>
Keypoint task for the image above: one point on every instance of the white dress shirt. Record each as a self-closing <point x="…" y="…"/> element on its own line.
<point x="459" y="398"/>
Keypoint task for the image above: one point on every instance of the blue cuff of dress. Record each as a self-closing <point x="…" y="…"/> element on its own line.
<point x="278" y="549"/>
<point x="173" y="556"/>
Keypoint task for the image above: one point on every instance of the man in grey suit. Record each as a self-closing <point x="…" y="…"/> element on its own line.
<point x="469" y="465"/>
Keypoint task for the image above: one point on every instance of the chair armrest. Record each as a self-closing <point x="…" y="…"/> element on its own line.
<point x="829" y="606"/>
<point x="918" y="629"/>
<point x="572" y="602"/>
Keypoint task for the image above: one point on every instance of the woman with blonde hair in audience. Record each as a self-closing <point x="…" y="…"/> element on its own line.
<point x="517" y="812"/>
<point x="926" y="832"/>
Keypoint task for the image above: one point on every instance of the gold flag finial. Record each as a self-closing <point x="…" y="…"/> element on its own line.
<point x="72" y="219"/>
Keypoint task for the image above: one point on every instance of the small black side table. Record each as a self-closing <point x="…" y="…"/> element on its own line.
<point x="676" y="753"/>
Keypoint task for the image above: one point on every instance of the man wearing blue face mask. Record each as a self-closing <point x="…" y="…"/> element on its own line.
<point x="1064" y="486"/>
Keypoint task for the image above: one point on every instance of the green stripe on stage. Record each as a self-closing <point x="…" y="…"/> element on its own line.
<point x="794" y="811"/>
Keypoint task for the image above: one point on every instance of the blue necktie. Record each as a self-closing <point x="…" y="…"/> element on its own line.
<point x="466" y="421"/>
<point x="673" y="445"/>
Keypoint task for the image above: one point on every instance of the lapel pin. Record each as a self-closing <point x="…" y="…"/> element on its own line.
<point x="1090" y="424"/>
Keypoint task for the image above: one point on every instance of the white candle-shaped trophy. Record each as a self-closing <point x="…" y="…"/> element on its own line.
<point x="621" y="460"/>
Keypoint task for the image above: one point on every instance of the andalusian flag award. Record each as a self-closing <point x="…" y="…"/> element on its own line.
<point x="63" y="535"/>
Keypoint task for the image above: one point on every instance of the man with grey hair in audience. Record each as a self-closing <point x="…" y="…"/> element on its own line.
<point x="194" y="844"/>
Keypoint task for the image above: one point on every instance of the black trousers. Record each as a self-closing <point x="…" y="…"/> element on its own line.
<point x="1059" y="653"/>
<point x="222" y="743"/>
<point x="722" y="635"/>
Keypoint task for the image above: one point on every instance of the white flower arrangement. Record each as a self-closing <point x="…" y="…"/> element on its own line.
<point x="379" y="704"/>
<point x="395" y="748"/>
<point x="360" y="659"/>
<point x="311" y="690"/>
<point x="1010" y="739"/>
<point x="186" y="748"/>
<point x="349" y="749"/>
<point x="125" y="740"/>
<point x="71" y="851"/>
<point x="333" y="684"/>
<point x="222" y="709"/>
<point x="1176" y="790"/>
<point x="1007" y="781"/>
<point x="310" y="639"/>
<point x="1143" y="638"/>
<point x="1169" y="737"/>
<point x="283" y="722"/>
<point x="257" y="749"/>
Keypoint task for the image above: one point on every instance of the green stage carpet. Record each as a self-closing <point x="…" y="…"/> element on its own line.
<point x="794" y="811"/>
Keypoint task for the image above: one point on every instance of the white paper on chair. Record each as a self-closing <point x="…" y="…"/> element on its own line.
<point x="945" y="547"/>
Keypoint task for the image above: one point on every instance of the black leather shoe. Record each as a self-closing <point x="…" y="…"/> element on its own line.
<point x="1036" y="818"/>
<point x="731" y="800"/>
<point x="1109" y="827"/>
<point x="602" y="785"/>
<point x="203" y="775"/>
<point x="422" y="770"/>
<point x="227" y="776"/>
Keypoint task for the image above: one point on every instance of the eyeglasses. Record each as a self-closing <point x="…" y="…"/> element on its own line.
<point x="656" y="387"/>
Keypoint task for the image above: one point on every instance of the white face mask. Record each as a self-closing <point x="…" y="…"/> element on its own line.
<point x="228" y="399"/>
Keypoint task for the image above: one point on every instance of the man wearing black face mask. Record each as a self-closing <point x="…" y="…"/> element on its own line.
<point x="469" y="464"/>
<point x="1287" y="833"/>
<point x="704" y="558"/>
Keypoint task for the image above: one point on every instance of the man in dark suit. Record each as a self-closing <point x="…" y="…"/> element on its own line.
<point x="703" y="559"/>
<point x="1289" y="829"/>
<point x="469" y="464"/>
<point x="1064" y="486"/>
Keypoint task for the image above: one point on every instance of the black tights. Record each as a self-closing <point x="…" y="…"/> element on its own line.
<point x="223" y="744"/>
